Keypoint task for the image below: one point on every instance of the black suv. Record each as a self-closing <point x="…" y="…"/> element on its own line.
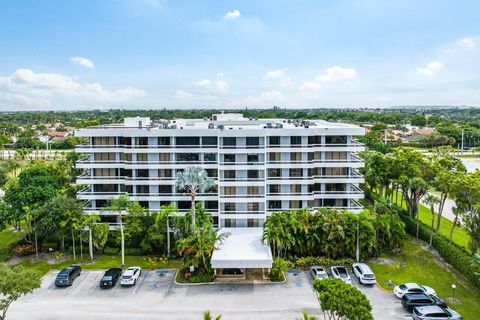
<point x="413" y="300"/>
<point x="67" y="275"/>
<point x="110" y="278"/>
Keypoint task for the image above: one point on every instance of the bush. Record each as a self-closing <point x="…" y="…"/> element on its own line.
<point x="24" y="249"/>
<point x="5" y="255"/>
<point x="278" y="268"/>
<point x="111" y="250"/>
<point x="201" y="277"/>
<point x="134" y="252"/>
<point x="50" y="244"/>
<point x="307" y="262"/>
<point x="451" y="252"/>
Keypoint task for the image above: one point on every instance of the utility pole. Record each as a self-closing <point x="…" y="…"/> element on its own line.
<point x="385" y="137"/>
<point x="462" y="139"/>
<point x="90" y="243"/>
<point x="357" y="253"/>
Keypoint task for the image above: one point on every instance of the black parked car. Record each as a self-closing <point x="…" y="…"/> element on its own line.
<point x="413" y="300"/>
<point x="110" y="278"/>
<point x="67" y="275"/>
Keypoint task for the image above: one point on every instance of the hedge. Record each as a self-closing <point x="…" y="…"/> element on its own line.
<point x="451" y="252"/>
<point x="306" y="262"/>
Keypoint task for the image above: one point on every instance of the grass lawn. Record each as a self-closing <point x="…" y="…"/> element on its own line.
<point x="9" y="237"/>
<point x="101" y="262"/>
<point x="460" y="235"/>
<point x="413" y="264"/>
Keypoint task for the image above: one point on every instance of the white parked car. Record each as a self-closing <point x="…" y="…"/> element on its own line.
<point x="130" y="276"/>
<point x="405" y="288"/>
<point x="340" y="272"/>
<point x="318" y="272"/>
<point x="364" y="273"/>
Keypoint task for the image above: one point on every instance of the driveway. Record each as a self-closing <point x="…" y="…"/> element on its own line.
<point x="157" y="297"/>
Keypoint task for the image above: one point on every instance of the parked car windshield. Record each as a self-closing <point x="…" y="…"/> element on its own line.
<point x="107" y="278"/>
<point x="368" y="276"/>
<point x="403" y="287"/>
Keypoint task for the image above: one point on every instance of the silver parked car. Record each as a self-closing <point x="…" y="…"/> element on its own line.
<point x="318" y="272"/>
<point x="340" y="272"/>
<point x="435" y="313"/>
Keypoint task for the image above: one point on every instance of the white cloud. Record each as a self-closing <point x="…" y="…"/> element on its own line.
<point x="221" y="86"/>
<point x="330" y="75"/>
<point x="336" y="73"/>
<point x="84" y="62"/>
<point x="51" y="88"/>
<point x="267" y="98"/>
<point x="181" y="94"/>
<point x="383" y="99"/>
<point x="231" y="15"/>
<point x="467" y="43"/>
<point x="278" y="75"/>
<point x="431" y="68"/>
<point x="204" y="83"/>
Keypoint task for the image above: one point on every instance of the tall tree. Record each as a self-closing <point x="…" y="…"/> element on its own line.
<point x="193" y="180"/>
<point x="120" y="205"/>
<point x="431" y="201"/>
<point x="14" y="283"/>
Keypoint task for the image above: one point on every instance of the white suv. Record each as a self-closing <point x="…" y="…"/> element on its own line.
<point x="364" y="273"/>
<point x="130" y="276"/>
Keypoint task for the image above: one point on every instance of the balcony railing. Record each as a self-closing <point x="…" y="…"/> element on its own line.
<point x="251" y="163"/>
<point x="350" y="176"/>
<point x="240" y="179"/>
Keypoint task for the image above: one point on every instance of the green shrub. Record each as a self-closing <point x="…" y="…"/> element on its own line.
<point x="111" y="250"/>
<point x="451" y="252"/>
<point x="50" y="244"/>
<point x="278" y="268"/>
<point x="307" y="262"/>
<point x="5" y="255"/>
<point x="134" y="252"/>
<point x="201" y="277"/>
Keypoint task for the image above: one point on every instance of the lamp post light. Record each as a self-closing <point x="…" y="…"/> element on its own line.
<point x="453" y="292"/>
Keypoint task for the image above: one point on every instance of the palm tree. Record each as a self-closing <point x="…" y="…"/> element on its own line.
<point x="118" y="205"/>
<point x="208" y="316"/>
<point x="306" y="316"/>
<point x="431" y="201"/>
<point x="194" y="180"/>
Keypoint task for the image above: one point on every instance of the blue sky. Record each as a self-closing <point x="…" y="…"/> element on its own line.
<point x="228" y="54"/>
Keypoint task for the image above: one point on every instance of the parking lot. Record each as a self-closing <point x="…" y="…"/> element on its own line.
<point x="156" y="296"/>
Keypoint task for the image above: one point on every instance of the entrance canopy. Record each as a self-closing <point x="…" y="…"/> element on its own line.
<point x="243" y="248"/>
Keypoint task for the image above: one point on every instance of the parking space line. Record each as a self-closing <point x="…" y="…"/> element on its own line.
<point x="77" y="281"/>
<point x="96" y="283"/>
<point x="139" y="285"/>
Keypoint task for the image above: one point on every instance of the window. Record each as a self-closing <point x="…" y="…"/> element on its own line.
<point x="230" y="190"/>
<point x="188" y="157"/>
<point x="296" y="173"/>
<point x="274" y="188"/>
<point x="125" y="172"/>
<point x="229" y="141"/>
<point x="210" y="157"/>
<point x="274" y="156"/>
<point x="143" y="189"/>
<point x="253" y="141"/>
<point x="335" y="155"/>
<point x="314" y="140"/>
<point x="335" y="171"/>
<point x="209" y="141"/>
<point x="295" y="156"/>
<point x="229" y="174"/>
<point x="165" y="173"/>
<point x="253" y="190"/>
<point x="106" y="172"/>
<point x="164" y="157"/>
<point x="253" y="223"/>
<point x="336" y="139"/>
<point x="211" y="205"/>
<point x="296" y="188"/>
<point x="335" y="187"/>
<point x="252" y="158"/>
<point x="188" y="141"/>
<point x="230" y="157"/>
<point x="274" y="141"/>
<point x="252" y="174"/>
<point x="104" y="156"/>
<point x="103" y="141"/>
<point x="127" y="141"/>
<point x="142" y="157"/>
<point x="295" y="204"/>
<point x="164" y="141"/>
<point x="295" y="140"/>
<point x="141" y="141"/>
<point x="212" y="173"/>
<point x="253" y="206"/>
<point x="275" y="204"/>
<point x="230" y="223"/>
<point x="274" y="172"/>
<point x="142" y="173"/>
<point x="164" y="189"/>
<point x="126" y="157"/>
<point x="230" y="206"/>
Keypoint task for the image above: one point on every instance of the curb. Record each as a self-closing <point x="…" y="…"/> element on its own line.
<point x="383" y="289"/>
<point x="187" y="283"/>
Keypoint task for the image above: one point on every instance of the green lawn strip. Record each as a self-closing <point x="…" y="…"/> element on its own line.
<point x="414" y="264"/>
<point x="460" y="235"/>
<point x="9" y="237"/>
<point x="101" y="262"/>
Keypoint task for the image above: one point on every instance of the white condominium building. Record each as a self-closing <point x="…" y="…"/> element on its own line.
<point x="259" y="165"/>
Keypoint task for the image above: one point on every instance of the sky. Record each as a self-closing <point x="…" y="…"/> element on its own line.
<point x="72" y="55"/>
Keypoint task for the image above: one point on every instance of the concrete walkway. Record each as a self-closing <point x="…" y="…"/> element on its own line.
<point x="447" y="209"/>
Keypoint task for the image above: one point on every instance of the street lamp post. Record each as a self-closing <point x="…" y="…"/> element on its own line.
<point x="453" y="292"/>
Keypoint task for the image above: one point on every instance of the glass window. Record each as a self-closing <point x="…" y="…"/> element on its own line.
<point x="274" y="141"/>
<point x="275" y="204"/>
<point x="274" y="156"/>
<point x="296" y="172"/>
<point x="188" y="141"/>
<point x="314" y="140"/>
<point x="336" y="139"/>
<point x="253" y="141"/>
<point x="142" y="173"/>
<point x="229" y="157"/>
<point x="230" y="206"/>
<point x="295" y="140"/>
<point x="210" y="157"/>
<point x="229" y="174"/>
<point x="165" y="189"/>
<point x="188" y="157"/>
<point x="142" y="141"/>
<point x="274" y="188"/>
<point x="164" y="141"/>
<point x="209" y="141"/>
<point x="252" y="174"/>
<point x="229" y="141"/>
<point x="230" y="223"/>
<point x="230" y="190"/>
<point x="252" y="157"/>
<point x="253" y="206"/>
<point x="253" y="190"/>
<point x="142" y="157"/>
<point x="252" y="223"/>
<point x="274" y="172"/>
